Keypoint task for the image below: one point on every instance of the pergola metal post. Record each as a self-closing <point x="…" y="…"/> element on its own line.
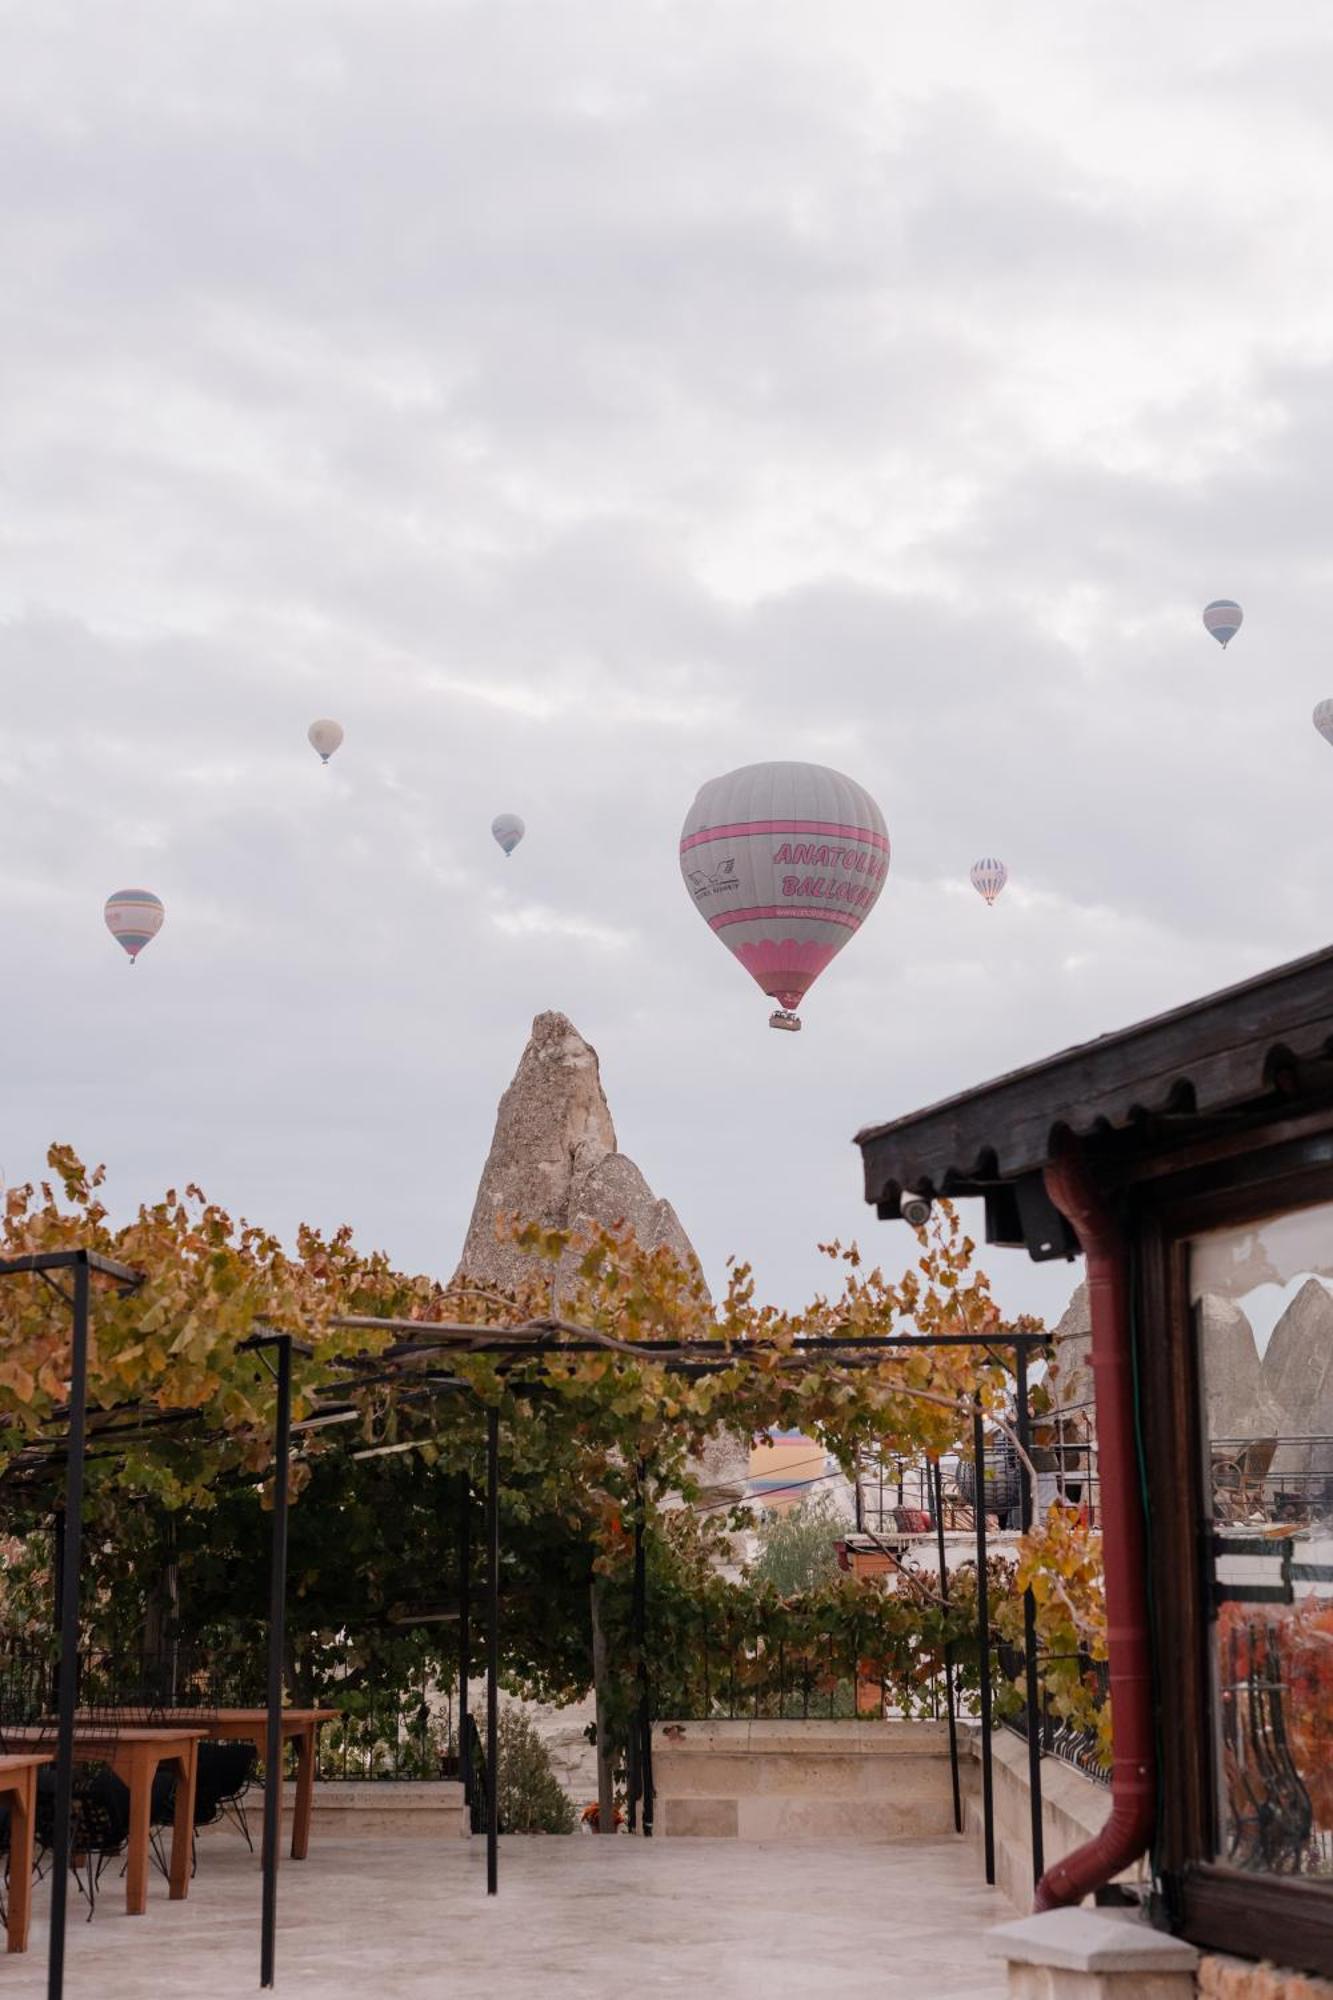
<point x="67" y="1692"/>
<point x="983" y="1647"/>
<point x="57" y="1566"/>
<point x="1033" y="1688"/>
<point x="68" y="1551"/>
<point x="642" y="1731"/>
<point x="492" y="1650"/>
<point x="464" y="1636"/>
<point x="277" y="1640"/>
<point x="948" y="1652"/>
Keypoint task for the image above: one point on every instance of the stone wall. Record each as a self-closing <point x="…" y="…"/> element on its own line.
<point x="1073" y="1809"/>
<point x="380" y="1809"/>
<point x="1237" y="1979"/>
<point x="803" y="1781"/>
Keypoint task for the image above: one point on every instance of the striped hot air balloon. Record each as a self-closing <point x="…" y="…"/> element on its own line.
<point x="1323" y="720"/>
<point x="508" y="829"/>
<point x="134" y="917"/>
<point x="784" y="862"/>
<point x="989" y="877"/>
<point x="1223" y="618"/>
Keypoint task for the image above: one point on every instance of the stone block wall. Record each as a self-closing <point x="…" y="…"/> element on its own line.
<point x="1237" y="1979"/>
<point x="794" y="1781"/>
<point x="1073" y="1809"/>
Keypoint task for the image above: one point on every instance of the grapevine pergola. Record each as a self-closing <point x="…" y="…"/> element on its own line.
<point x="418" y="1366"/>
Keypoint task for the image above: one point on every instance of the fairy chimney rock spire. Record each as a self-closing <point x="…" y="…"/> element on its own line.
<point x="554" y="1161"/>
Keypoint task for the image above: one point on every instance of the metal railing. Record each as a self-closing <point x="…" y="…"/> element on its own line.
<point x="388" y="1738"/>
<point x="1079" y="1746"/>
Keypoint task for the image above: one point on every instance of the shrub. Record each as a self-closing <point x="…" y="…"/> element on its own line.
<point x="797" y="1549"/>
<point x="530" y="1797"/>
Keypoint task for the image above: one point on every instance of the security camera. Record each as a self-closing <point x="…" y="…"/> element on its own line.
<point x="915" y="1209"/>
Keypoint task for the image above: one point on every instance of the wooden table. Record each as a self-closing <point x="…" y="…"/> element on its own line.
<point x="18" y="1784"/>
<point x="300" y="1726"/>
<point x="136" y="1754"/>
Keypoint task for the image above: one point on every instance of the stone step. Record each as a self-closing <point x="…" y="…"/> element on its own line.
<point x="791" y="1818"/>
<point x="386" y="1808"/>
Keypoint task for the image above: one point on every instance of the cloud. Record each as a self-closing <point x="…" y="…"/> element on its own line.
<point x="579" y="403"/>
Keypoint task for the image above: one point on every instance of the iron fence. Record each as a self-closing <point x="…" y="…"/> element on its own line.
<point x="411" y="1737"/>
<point x="1073" y="1743"/>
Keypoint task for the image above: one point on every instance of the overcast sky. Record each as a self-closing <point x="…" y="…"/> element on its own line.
<point x="579" y="398"/>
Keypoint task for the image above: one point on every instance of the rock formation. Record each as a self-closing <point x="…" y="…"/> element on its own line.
<point x="554" y="1160"/>
<point x="1237" y="1404"/>
<point x="1072" y="1387"/>
<point x="1298" y="1378"/>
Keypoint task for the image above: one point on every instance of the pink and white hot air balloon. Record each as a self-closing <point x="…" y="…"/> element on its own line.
<point x="784" y="862"/>
<point x="134" y="917"/>
<point x="989" y="877"/>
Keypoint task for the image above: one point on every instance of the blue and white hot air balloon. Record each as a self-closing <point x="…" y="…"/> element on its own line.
<point x="508" y="829"/>
<point x="134" y="917"/>
<point x="989" y="877"/>
<point x="1223" y="618"/>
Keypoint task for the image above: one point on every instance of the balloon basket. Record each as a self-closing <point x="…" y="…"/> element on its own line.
<point x="780" y="1018"/>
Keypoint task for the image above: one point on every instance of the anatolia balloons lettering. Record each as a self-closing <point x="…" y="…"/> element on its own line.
<point x="325" y="735"/>
<point x="1323" y="720"/>
<point x="134" y="917"/>
<point x="1223" y="618"/>
<point x="988" y="878"/>
<point x="508" y="829"/>
<point x="784" y="862"/>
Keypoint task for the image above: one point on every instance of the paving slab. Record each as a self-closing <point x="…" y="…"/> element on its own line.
<point x="582" y="1917"/>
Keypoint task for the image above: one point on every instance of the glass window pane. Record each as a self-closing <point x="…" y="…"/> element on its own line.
<point x="1262" y="1298"/>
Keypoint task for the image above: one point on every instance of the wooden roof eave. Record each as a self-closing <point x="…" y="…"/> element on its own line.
<point x="1261" y="1046"/>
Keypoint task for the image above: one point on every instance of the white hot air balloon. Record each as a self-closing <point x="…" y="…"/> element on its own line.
<point x="784" y="862"/>
<point x="134" y="917"/>
<point x="1323" y="720"/>
<point x="325" y="736"/>
<point x="989" y="877"/>
<point x="508" y="829"/>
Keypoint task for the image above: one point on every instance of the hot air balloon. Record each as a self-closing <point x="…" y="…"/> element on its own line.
<point x="1323" y="720"/>
<point x="508" y="829"/>
<point x="325" y="736"/>
<point x="1223" y="618"/>
<point x="784" y="862"/>
<point x="989" y="877"/>
<point x="134" y="918"/>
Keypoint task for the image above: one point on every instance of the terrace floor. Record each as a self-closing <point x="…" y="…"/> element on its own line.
<point x="721" y="1920"/>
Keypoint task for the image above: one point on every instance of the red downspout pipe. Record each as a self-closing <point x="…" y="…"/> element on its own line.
<point x="1129" y="1829"/>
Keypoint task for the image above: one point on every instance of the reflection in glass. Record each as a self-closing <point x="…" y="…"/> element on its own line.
<point x="1263" y="1313"/>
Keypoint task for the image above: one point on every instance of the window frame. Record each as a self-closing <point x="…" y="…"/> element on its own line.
<point x="1283" y="1918"/>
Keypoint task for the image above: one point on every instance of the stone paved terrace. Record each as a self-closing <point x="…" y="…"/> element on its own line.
<point x="720" y="1920"/>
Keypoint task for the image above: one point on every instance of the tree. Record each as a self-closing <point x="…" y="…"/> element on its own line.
<point x="373" y="1539"/>
<point x="530" y="1798"/>
<point x="797" y="1548"/>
